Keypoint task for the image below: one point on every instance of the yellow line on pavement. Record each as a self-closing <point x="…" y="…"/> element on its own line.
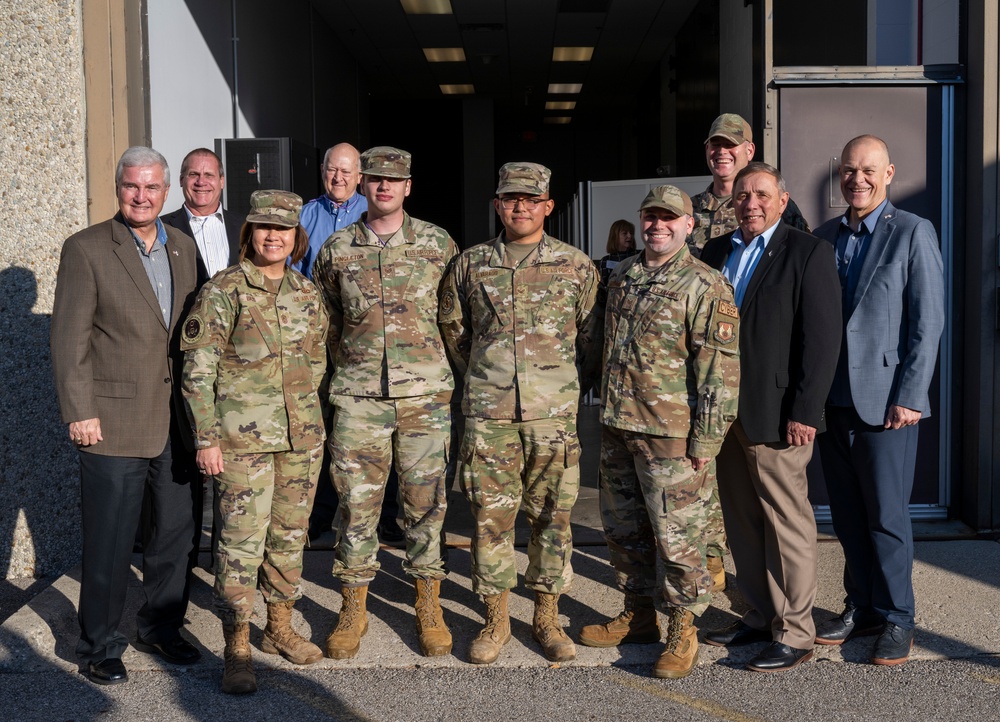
<point x="716" y="710"/>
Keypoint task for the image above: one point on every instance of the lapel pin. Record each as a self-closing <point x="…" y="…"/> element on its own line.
<point x="175" y="253"/>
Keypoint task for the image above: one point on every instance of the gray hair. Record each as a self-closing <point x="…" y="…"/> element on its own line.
<point x="140" y="155"/>
<point x="758" y="167"/>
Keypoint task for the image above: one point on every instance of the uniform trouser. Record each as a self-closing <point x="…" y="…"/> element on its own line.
<point x="368" y="435"/>
<point x="652" y="500"/>
<point x="508" y="464"/>
<point x="869" y="477"/>
<point x="716" y="544"/>
<point x="111" y="494"/>
<point x="263" y="501"/>
<point x="769" y="520"/>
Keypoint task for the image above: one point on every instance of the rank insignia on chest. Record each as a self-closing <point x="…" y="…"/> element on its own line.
<point x="725" y="332"/>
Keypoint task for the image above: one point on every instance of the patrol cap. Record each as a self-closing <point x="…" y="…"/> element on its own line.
<point x="386" y="161"/>
<point x="529" y="178"/>
<point x="732" y="127"/>
<point x="669" y="198"/>
<point x="280" y="208"/>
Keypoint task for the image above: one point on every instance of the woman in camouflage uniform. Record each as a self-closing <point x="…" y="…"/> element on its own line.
<point x="254" y="361"/>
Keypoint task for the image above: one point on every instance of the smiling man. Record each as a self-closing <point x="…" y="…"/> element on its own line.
<point x="216" y="233"/>
<point x="785" y="285"/>
<point x="391" y="388"/>
<point x="121" y="288"/>
<point x="670" y="387"/>
<point x="340" y="205"/>
<point x="891" y="274"/>
<point x="517" y="314"/>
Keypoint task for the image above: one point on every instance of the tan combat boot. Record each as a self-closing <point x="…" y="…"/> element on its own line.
<point x="238" y="676"/>
<point x="547" y="631"/>
<point x="345" y="639"/>
<point x="637" y="624"/>
<point x="280" y="638"/>
<point x="486" y="647"/>
<point x="681" y="652"/>
<point x="718" y="572"/>
<point x="432" y="632"/>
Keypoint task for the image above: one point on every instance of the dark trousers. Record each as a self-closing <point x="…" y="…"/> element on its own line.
<point x="869" y="477"/>
<point x="111" y="498"/>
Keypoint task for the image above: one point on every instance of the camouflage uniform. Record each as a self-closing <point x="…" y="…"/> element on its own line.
<point x="390" y="387"/>
<point x="254" y="362"/>
<point x="670" y="392"/>
<point x="522" y="336"/>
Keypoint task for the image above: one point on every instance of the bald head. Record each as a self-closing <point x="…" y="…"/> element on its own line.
<point x="865" y="174"/>
<point x="341" y="172"/>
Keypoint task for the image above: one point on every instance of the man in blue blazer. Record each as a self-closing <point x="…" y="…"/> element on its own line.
<point x="893" y="307"/>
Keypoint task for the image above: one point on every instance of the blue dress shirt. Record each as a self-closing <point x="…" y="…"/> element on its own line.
<point x="321" y="218"/>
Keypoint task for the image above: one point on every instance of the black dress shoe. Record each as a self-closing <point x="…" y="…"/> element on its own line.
<point x="893" y="645"/>
<point x="107" y="671"/>
<point x="852" y="622"/>
<point x="177" y="650"/>
<point x="735" y="635"/>
<point x="778" y="657"/>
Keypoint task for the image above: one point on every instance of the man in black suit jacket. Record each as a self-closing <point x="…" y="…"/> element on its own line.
<point x="215" y="232"/>
<point x="785" y="283"/>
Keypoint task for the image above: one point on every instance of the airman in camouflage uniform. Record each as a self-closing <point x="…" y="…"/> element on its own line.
<point x="670" y="390"/>
<point x="728" y="148"/>
<point x="391" y="386"/>
<point x="517" y="316"/>
<point x="255" y="359"/>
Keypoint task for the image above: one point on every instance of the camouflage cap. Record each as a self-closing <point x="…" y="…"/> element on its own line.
<point x="669" y="198"/>
<point x="732" y="127"/>
<point x="280" y="208"/>
<point x="386" y="161"/>
<point x="530" y="178"/>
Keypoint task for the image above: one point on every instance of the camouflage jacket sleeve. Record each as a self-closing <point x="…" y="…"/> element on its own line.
<point x="714" y="332"/>
<point x="590" y="330"/>
<point x="325" y="277"/>
<point x="453" y="317"/>
<point x="204" y="337"/>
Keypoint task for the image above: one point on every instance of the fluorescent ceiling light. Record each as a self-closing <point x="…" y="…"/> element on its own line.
<point x="467" y="89"/>
<point x="557" y="119"/>
<point x="444" y="55"/>
<point x="426" y="7"/>
<point x="563" y="88"/>
<point x="572" y="54"/>
<point x="560" y="105"/>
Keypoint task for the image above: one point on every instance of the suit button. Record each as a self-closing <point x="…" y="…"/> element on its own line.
<point x="166" y="381"/>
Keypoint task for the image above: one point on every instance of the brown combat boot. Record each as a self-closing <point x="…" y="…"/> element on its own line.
<point x="718" y="572"/>
<point x="486" y="647"/>
<point x="280" y="638"/>
<point x="681" y="652"/>
<point x="637" y="624"/>
<point x="345" y="639"/>
<point x="238" y="676"/>
<point x="547" y="631"/>
<point x="432" y="632"/>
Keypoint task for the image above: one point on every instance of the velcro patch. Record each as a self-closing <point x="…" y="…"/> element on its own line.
<point x="448" y="303"/>
<point x="429" y="253"/>
<point x="555" y="270"/>
<point x="728" y="309"/>
<point x="194" y="329"/>
<point x="486" y="274"/>
<point x="348" y="259"/>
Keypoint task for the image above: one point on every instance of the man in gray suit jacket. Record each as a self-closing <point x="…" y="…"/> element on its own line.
<point x="893" y="300"/>
<point x="122" y="288"/>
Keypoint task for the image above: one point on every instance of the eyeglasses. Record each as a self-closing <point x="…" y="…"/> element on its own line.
<point x="528" y="203"/>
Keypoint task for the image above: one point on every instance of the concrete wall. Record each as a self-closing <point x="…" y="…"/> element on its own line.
<point x="43" y="199"/>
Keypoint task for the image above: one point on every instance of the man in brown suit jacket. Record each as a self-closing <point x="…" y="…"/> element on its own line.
<point x="122" y="288"/>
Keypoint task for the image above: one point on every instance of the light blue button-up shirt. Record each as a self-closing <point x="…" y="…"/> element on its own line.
<point x="321" y="218"/>
<point x="743" y="260"/>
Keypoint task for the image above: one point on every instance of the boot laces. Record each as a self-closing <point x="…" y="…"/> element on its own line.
<point x="426" y="612"/>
